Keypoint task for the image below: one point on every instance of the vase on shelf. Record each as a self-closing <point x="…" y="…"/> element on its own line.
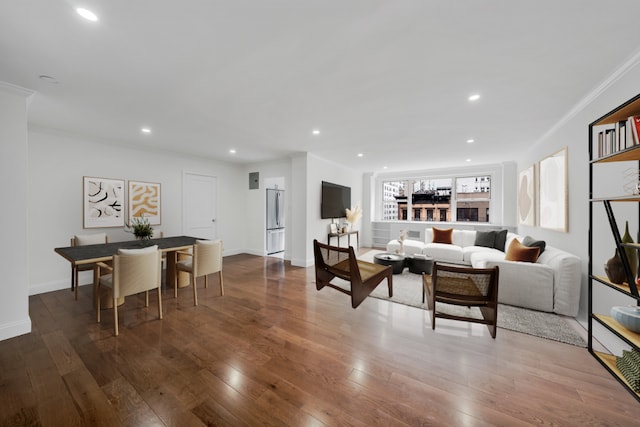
<point x="632" y="254"/>
<point x="614" y="269"/>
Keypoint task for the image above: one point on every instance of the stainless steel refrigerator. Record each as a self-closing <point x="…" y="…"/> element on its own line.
<point x="275" y="221"/>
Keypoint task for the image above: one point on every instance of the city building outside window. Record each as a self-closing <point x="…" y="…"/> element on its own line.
<point x="435" y="200"/>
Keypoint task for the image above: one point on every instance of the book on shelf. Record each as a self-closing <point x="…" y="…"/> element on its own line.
<point x="634" y="123"/>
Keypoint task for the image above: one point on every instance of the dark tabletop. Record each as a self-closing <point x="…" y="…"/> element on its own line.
<point x="103" y="251"/>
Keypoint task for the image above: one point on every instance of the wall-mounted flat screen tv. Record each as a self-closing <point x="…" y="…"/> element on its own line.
<point x="336" y="199"/>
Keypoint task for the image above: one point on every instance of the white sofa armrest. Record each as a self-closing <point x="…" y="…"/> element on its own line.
<point x="567" y="272"/>
<point x="524" y="284"/>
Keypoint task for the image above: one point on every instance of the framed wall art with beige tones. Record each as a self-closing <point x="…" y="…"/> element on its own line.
<point x="527" y="197"/>
<point x="144" y="199"/>
<point x="103" y="202"/>
<point x="552" y="172"/>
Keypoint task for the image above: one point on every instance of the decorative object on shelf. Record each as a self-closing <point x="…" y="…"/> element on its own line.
<point x="631" y="181"/>
<point x="632" y="254"/>
<point x="140" y="228"/>
<point x="333" y="228"/>
<point x="627" y="316"/>
<point x="403" y="236"/>
<point x="353" y="216"/>
<point x="614" y="269"/>
<point x="629" y="366"/>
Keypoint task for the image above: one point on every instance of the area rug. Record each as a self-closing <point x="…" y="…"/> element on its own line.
<point x="407" y="290"/>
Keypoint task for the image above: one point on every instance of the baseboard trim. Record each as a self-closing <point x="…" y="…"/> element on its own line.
<point x="14" y="329"/>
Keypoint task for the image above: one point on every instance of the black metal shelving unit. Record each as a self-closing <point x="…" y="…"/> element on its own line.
<point x="629" y="288"/>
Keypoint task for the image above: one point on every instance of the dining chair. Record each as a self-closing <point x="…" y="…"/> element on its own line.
<point x="205" y="258"/>
<point x="463" y="286"/>
<point x="133" y="271"/>
<point x="83" y="240"/>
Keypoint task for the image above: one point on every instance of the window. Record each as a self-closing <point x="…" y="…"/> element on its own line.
<point x="433" y="199"/>
<point x="473" y="197"/>
<point x="393" y="194"/>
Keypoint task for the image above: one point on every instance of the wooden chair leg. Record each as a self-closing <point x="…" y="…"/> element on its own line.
<point x="195" y="290"/>
<point x="146" y="298"/>
<point x="75" y="283"/>
<point x="221" y="283"/>
<point x="175" y="284"/>
<point x="206" y="280"/>
<point x="159" y="304"/>
<point x="115" y="316"/>
<point x="98" y="301"/>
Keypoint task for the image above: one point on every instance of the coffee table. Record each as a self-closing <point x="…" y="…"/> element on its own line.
<point x="419" y="265"/>
<point x="396" y="261"/>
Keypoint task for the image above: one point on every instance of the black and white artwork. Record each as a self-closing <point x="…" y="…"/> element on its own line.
<point x="103" y="201"/>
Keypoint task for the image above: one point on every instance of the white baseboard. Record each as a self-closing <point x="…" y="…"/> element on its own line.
<point x="14" y="329"/>
<point x="56" y="285"/>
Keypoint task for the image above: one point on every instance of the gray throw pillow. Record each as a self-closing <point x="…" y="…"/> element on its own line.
<point x="531" y="242"/>
<point x="485" y="238"/>
<point x="501" y="239"/>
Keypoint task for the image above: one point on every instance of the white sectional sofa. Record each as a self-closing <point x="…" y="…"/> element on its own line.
<point x="550" y="284"/>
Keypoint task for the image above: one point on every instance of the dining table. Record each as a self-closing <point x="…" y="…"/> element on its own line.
<point x="103" y="252"/>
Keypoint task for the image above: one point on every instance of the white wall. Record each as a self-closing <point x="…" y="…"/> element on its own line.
<point x="14" y="262"/>
<point x="58" y="163"/>
<point x="308" y="172"/>
<point x="572" y="132"/>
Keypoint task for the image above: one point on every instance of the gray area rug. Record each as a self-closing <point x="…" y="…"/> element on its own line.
<point x="407" y="289"/>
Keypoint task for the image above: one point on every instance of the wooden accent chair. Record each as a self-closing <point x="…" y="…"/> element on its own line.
<point x="204" y="259"/>
<point x="133" y="271"/>
<point x="464" y="286"/>
<point x="82" y="240"/>
<point x="332" y="261"/>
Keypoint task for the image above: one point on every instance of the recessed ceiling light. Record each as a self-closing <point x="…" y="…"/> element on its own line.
<point x="87" y="14"/>
<point x="49" y="79"/>
<point x="470" y="141"/>
<point x="360" y="155"/>
<point x="474" y="97"/>
<point x="316" y="132"/>
<point x="232" y="151"/>
<point x="384" y="167"/>
<point x="468" y="160"/>
<point x="145" y="130"/>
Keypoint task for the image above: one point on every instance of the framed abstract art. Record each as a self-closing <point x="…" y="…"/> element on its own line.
<point x="553" y="191"/>
<point x="144" y="199"/>
<point x="527" y="197"/>
<point x="103" y="201"/>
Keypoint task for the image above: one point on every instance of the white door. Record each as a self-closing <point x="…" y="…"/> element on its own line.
<point x="199" y="205"/>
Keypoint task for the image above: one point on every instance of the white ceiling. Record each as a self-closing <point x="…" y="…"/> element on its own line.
<point x="389" y="79"/>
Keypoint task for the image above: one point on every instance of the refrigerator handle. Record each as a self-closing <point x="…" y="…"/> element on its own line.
<point x="278" y="209"/>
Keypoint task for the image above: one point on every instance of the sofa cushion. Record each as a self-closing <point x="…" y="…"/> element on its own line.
<point x="485" y="238"/>
<point x="501" y="239"/>
<point x="410" y="247"/>
<point x="531" y="242"/>
<point x="468" y="253"/>
<point x="519" y="252"/>
<point x="444" y="252"/>
<point x="443" y="236"/>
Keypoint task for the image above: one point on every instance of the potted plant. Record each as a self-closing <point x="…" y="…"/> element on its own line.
<point x="140" y="228"/>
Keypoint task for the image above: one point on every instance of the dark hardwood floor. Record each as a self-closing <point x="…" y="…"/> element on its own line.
<point x="274" y="351"/>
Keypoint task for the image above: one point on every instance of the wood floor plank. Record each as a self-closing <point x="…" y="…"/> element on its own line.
<point x="275" y="351"/>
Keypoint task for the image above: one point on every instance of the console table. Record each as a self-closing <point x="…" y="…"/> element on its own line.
<point x="348" y="234"/>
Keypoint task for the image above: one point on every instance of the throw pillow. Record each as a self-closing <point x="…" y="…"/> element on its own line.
<point x="501" y="239"/>
<point x="519" y="252"/>
<point x="485" y="238"/>
<point x="443" y="236"/>
<point x="531" y="242"/>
